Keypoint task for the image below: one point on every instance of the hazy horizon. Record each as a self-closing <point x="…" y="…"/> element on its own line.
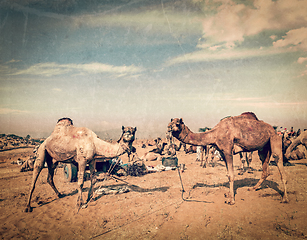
<point x="140" y="63"/>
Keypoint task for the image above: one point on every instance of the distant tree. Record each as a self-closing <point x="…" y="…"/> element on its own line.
<point x="203" y="129"/>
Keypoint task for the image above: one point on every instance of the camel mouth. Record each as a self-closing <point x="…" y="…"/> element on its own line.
<point x="128" y="136"/>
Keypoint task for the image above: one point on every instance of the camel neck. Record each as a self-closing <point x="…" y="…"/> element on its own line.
<point x="197" y="139"/>
<point x="110" y="150"/>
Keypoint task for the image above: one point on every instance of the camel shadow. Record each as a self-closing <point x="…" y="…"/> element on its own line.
<point x="301" y="164"/>
<point x="247" y="182"/>
<point x="131" y="187"/>
<point x="42" y="203"/>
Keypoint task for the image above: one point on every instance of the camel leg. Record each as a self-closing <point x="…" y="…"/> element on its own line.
<point x="202" y="164"/>
<point x="208" y="152"/>
<point x="81" y="172"/>
<point x="203" y="151"/>
<point x="249" y="161"/>
<point x="276" y="146"/>
<point x="93" y="178"/>
<point x="229" y="165"/>
<point x="51" y="168"/>
<point x="242" y="161"/>
<point x="38" y="166"/>
<point x="280" y="167"/>
<point x="212" y="157"/>
<point x="264" y="156"/>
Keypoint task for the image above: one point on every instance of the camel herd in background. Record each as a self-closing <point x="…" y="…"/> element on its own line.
<point x="241" y="134"/>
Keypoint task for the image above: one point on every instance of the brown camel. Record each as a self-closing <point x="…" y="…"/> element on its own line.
<point x="128" y="136"/>
<point x="243" y="133"/>
<point x="71" y="144"/>
<point x="301" y="139"/>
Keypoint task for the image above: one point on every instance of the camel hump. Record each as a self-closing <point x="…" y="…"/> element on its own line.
<point x="65" y="121"/>
<point x="250" y="115"/>
<point x="63" y="126"/>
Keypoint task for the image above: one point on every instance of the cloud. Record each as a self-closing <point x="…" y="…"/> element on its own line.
<point x="301" y="60"/>
<point x="53" y="69"/>
<point x="13" y="61"/>
<point x="227" y="24"/>
<point x="10" y="111"/>
<point x="229" y="54"/>
<point x="57" y="89"/>
<point x="233" y="22"/>
<point x="296" y="39"/>
<point x="28" y="10"/>
<point x="150" y="21"/>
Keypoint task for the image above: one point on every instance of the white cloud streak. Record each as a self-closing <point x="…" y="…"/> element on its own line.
<point x="4" y="111"/>
<point x="207" y="55"/>
<point x="20" y="8"/>
<point x="53" y="69"/>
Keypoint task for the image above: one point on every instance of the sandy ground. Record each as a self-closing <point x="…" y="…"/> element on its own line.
<point x="154" y="207"/>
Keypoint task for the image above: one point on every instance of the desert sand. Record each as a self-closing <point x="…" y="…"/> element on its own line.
<point x="155" y="206"/>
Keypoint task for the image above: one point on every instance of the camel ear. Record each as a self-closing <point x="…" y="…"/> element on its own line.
<point x="123" y="128"/>
<point x="135" y="129"/>
<point x="181" y="120"/>
<point x="171" y="119"/>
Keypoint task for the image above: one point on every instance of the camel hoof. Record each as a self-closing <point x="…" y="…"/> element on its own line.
<point x="227" y="195"/>
<point x="61" y="195"/>
<point x="79" y="204"/>
<point x="251" y="189"/>
<point x="28" y="209"/>
<point x="285" y="200"/>
<point x="230" y="202"/>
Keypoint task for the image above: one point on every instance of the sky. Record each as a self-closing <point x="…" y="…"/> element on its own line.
<point x="108" y="64"/>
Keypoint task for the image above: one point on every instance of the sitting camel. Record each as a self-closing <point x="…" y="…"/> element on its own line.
<point x="70" y="144"/>
<point x="243" y="133"/>
<point x="301" y="139"/>
<point x="151" y="156"/>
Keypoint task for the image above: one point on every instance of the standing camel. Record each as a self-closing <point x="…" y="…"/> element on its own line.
<point x="243" y="133"/>
<point x="68" y="144"/>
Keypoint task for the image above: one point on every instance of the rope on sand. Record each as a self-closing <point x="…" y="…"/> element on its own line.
<point x="182" y="191"/>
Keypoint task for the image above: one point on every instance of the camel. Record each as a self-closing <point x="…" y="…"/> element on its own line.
<point x="70" y="144"/>
<point x="128" y="136"/>
<point x="151" y="156"/>
<point x="243" y="133"/>
<point x="301" y="139"/>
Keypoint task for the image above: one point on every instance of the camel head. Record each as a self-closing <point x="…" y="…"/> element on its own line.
<point x="128" y="134"/>
<point x="175" y="126"/>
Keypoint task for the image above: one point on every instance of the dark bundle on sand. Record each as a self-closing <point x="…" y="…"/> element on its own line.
<point x="136" y="169"/>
